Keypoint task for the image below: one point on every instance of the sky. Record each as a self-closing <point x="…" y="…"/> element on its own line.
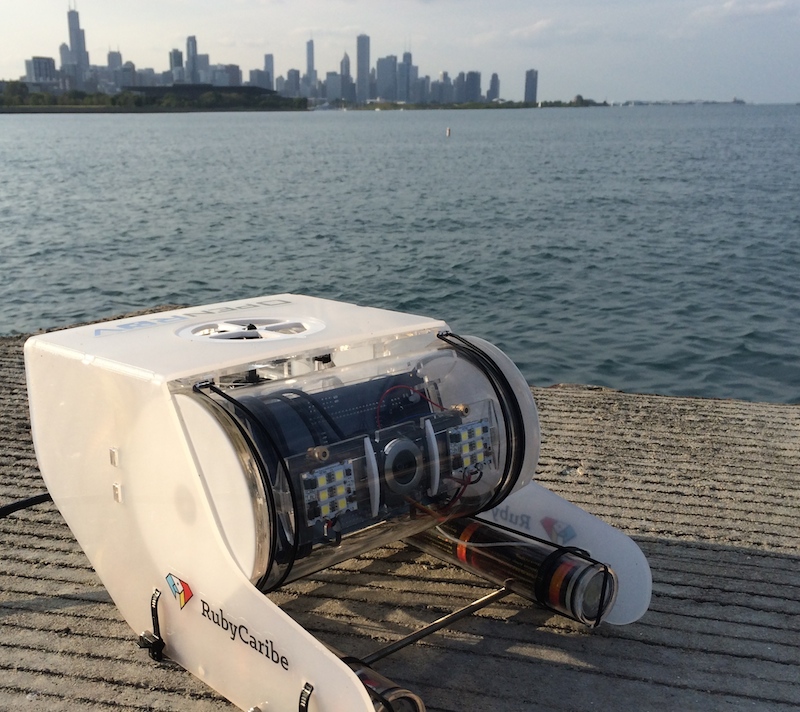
<point x="614" y="50"/>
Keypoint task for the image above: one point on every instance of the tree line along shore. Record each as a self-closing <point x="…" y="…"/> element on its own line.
<point x="16" y="98"/>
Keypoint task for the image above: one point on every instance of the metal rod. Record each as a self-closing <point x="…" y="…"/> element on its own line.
<point x="443" y="622"/>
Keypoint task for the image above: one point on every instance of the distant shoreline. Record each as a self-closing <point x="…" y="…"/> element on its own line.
<point x="157" y="109"/>
<point x="132" y="109"/>
<point x="151" y="109"/>
<point x="16" y="98"/>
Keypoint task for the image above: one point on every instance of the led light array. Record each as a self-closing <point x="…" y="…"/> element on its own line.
<point x="470" y="445"/>
<point x="329" y="491"/>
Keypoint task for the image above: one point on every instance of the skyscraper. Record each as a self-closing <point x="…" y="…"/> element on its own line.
<point x="531" y="85"/>
<point x="311" y="72"/>
<point x="234" y="75"/>
<point x="387" y="78"/>
<point x="333" y="86"/>
<point x="260" y="78"/>
<point x="472" y="87"/>
<point x="114" y="60"/>
<point x="292" y="85"/>
<point x="308" y="82"/>
<point x="447" y="95"/>
<point x="459" y="88"/>
<point x="176" y="59"/>
<point x="176" y="69"/>
<point x="269" y="68"/>
<point x="66" y="56"/>
<point x="494" y="89"/>
<point x="41" y="70"/>
<point x="191" y="70"/>
<point x="77" y="46"/>
<point x="348" y="86"/>
<point x="362" y="69"/>
<point x="404" y="78"/>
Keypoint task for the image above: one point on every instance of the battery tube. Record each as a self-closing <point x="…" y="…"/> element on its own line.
<point x="562" y="579"/>
<point x="386" y="695"/>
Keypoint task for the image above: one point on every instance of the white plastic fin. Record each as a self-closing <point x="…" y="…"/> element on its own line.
<point x="433" y="452"/>
<point x="373" y="480"/>
<point x="536" y="511"/>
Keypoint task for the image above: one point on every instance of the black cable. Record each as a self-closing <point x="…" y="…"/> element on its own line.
<point x="319" y="407"/>
<point x="559" y="550"/>
<point x="318" y="437"/>
<point x="601" y="609"/>
<point x="509" y="405"/>
<point x="294" y="545"/>
<point x="353" y="663"/>
<point x="262" y="470"/>
<point x="378" y="697"/>
<point x="24" y="504"/>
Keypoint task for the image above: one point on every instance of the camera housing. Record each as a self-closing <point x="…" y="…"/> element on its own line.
<point x="339" y="452"/>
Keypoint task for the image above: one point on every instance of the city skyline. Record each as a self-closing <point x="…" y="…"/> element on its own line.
<point x="388" y="81"/>
<point x="628" y="49"/>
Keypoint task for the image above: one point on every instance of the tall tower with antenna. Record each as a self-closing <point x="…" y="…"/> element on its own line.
<point x="77" y="46"/>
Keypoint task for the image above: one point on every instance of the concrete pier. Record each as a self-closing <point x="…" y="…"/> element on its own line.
<point x="709" y="489"/>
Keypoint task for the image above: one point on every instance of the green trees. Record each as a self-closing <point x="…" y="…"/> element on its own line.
<point x="15" y="94"/>
<point x="127" y="100"/>
<point x="40" y="99"/>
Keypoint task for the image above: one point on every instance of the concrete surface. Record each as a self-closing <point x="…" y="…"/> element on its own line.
<point x="709" y="489"/>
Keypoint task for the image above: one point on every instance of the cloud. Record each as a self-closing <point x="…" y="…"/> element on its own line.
<point x="542" y="33"/>
<point x="735" y="9"/>
<point x="532" y="31"/>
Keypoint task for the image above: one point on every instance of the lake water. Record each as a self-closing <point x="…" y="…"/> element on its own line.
<point x="651" y="249"/>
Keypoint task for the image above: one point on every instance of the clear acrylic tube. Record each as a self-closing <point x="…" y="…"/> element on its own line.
<point x="559" y="578"/>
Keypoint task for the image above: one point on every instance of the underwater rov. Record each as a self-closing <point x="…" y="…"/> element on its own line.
<point x="204" y="457"/>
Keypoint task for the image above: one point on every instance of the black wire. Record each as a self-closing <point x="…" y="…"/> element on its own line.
<point x="601" y="609"/>
<point x="24" y="504"/>
<point x="319" y="407"/>
<point x="353" y="663"/>
<point x="560" y="550"/>
<point x="378" y="697"/>
<point x="318" y="437"/>
<point x="263" y="472"/>
<point x="295" y="543"/>
<point x="509" y="406"/>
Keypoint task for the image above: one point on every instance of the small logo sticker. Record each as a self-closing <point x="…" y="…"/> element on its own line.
<point x="558" y="532"/>
<point x="180" y="589"/>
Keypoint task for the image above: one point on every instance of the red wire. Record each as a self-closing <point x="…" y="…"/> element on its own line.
<point x="463" y="483"/>
<point x="406" y="388"/>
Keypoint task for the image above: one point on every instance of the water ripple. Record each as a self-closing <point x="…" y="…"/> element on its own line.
<point x="651" y="249"/>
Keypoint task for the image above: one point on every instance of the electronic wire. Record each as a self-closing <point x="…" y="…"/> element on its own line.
<point x="24" y="504"/>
